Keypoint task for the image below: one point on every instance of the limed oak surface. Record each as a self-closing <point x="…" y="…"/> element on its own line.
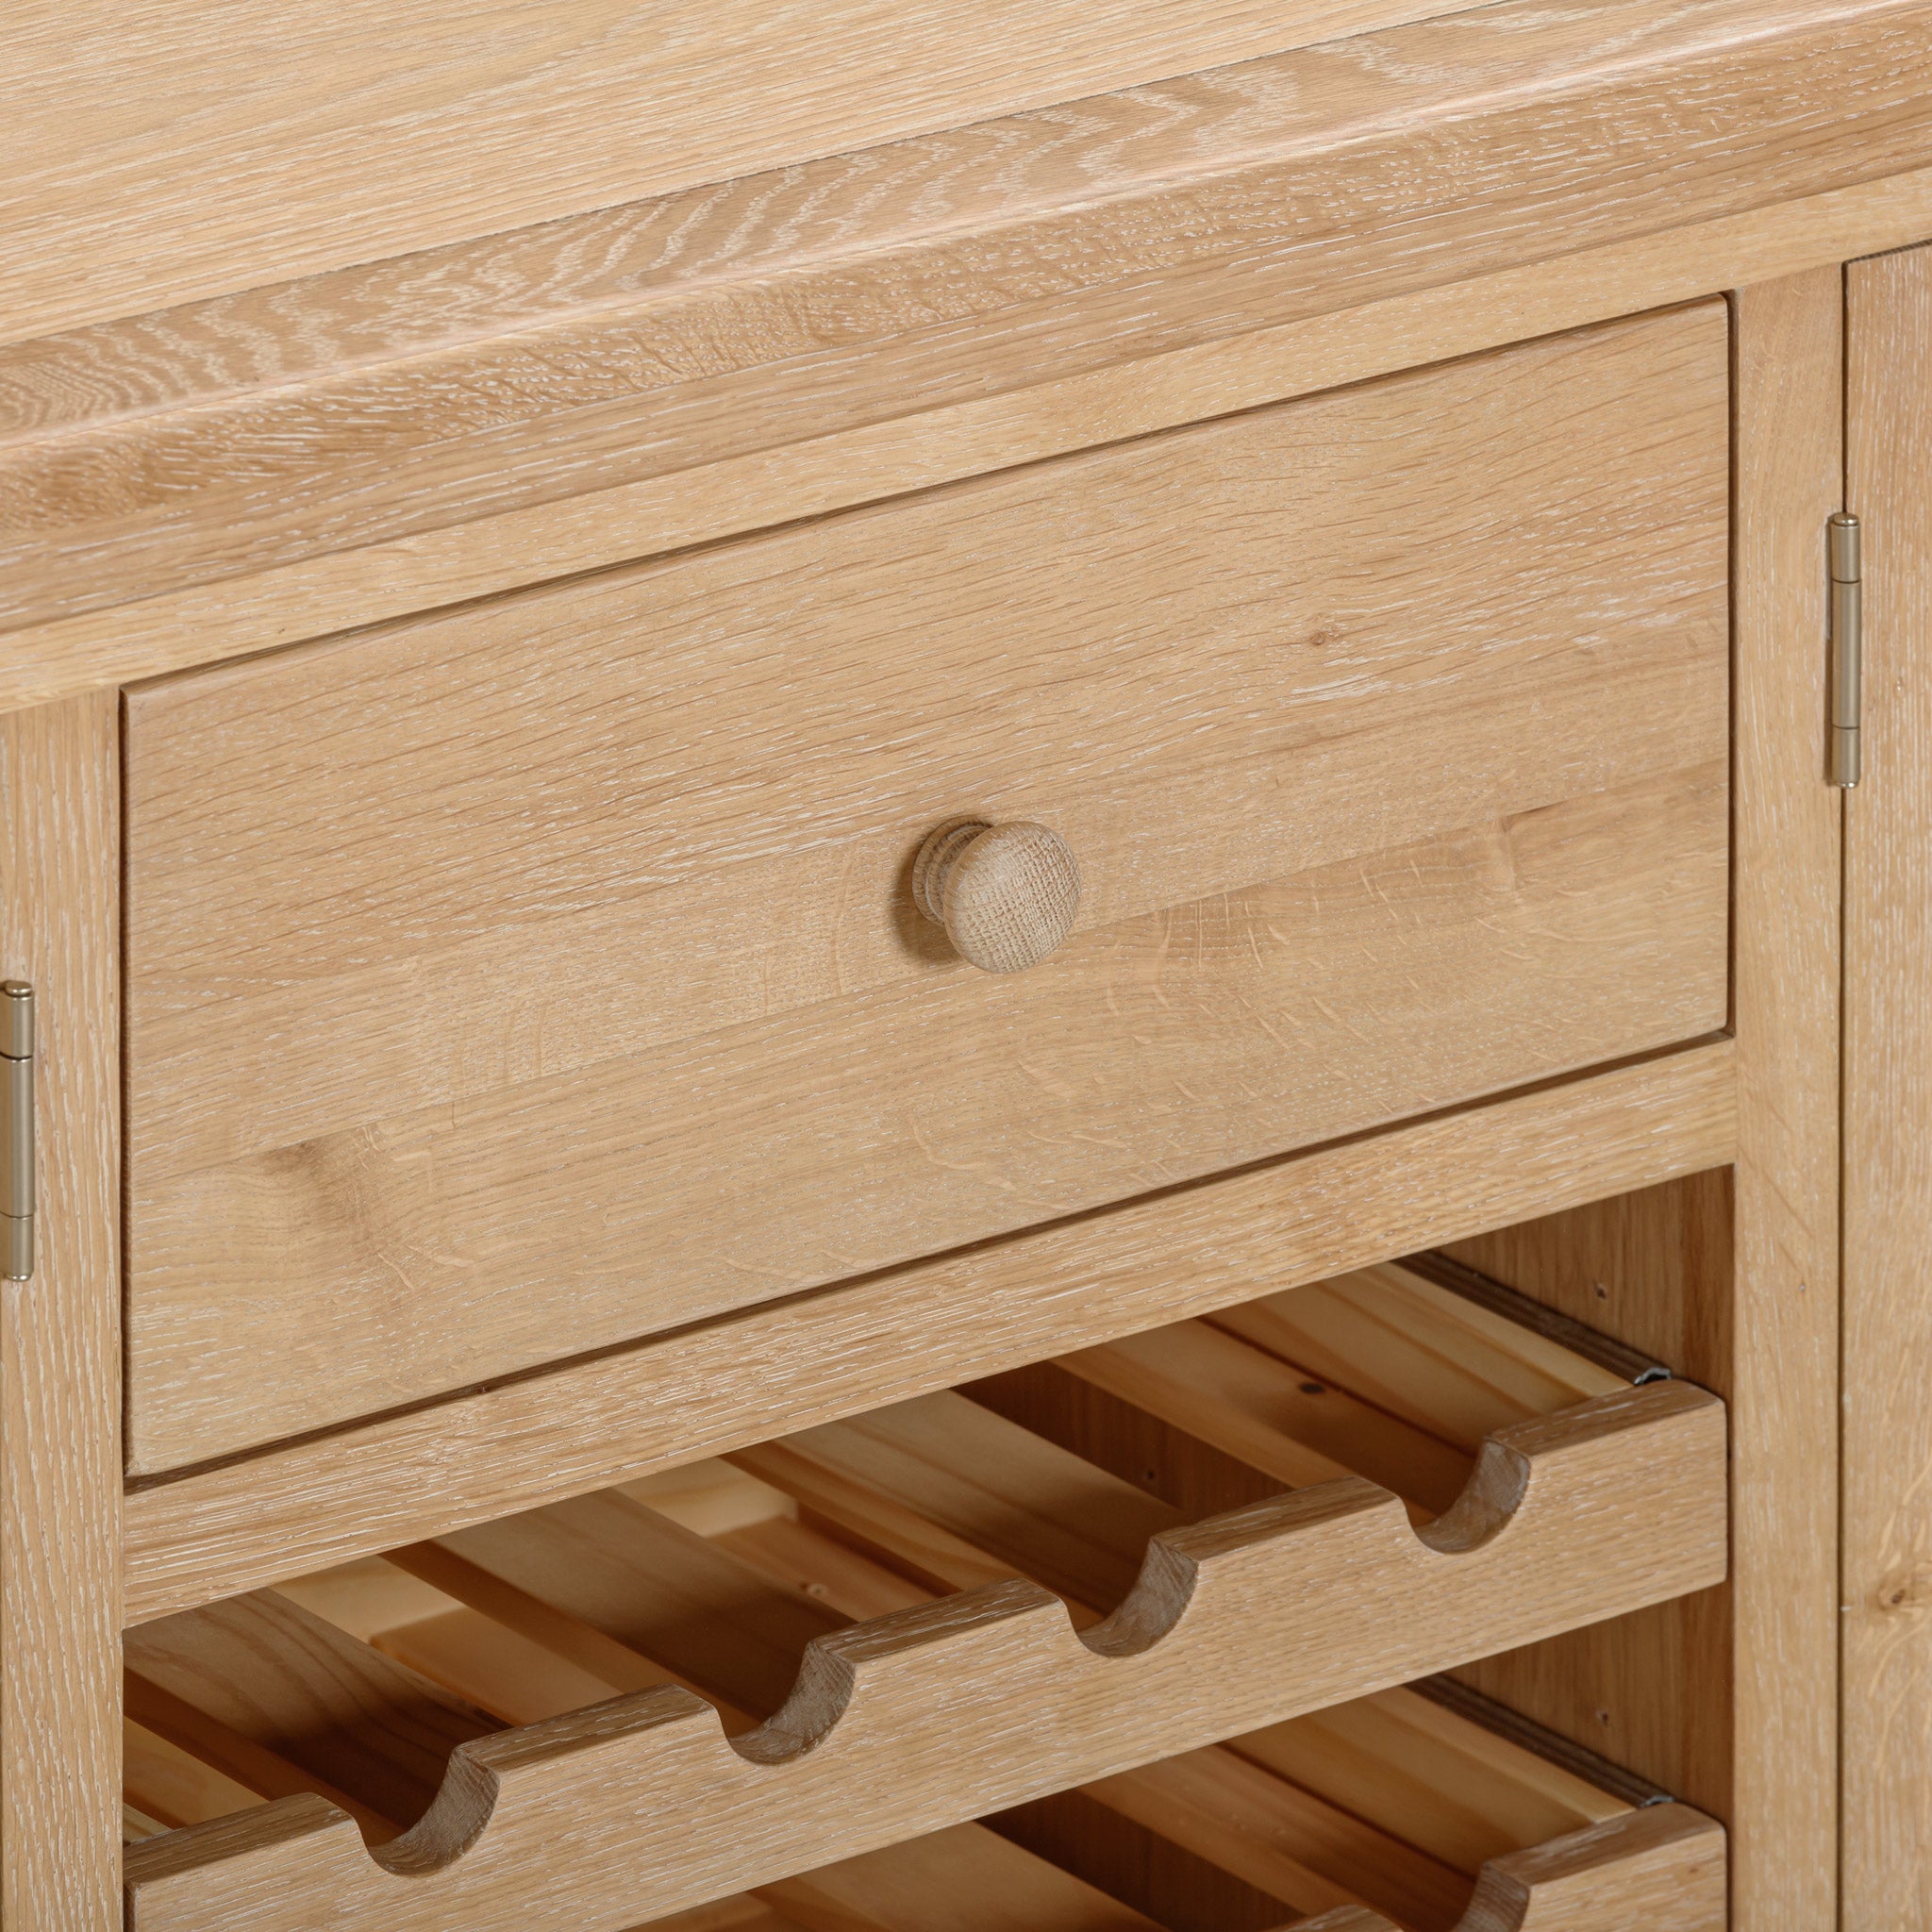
<point x="192" y="151"/>
<point x="407" y="399"/>
<point x="59" y="1341"/>
<point x="474" y="964"/>
<point x="1662" y="1868"/>
<point x="810" y="1359"/>
<point x="917" y="1718"/>
<point x="1887" y="1550"/>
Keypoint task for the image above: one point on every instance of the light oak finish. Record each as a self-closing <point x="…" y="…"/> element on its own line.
<point x="1623" y="1496"/>
<point x="247" y="147"/>
<point x="670" y="1588"/>
<point x="286" y="1678"/>
<point x="1420" y="1351"/>
<point x="1380" y="1372"/>
<point x="788" y="309"/>
<point x="624" y="1578"/>
<point x="612" y="1583"/>
<point x="1203" y="1816"/>
<point x="728" y="1384"/>
<point x="1278" y="1841"/>
<point x="1264" y="1412"/>
<point x="313" y="1702"/>
<point x="1651" y="1268"/>
<point x="1662" y="1869"/>
<point x="1786" y="964"/>
<point x="964" y="1880"/>
<point x="357" y="1154"/>
<point x="59" y="1366"/>
<point x="961" y="1497"/>
<point x="1006" y="895"/>
<point x="1397" y="1758"/>
<point x="1733" y="1279"/>
<point x="1193" y="1826"/>
<point x="203" y="891"/>
<point x="1886" y="1845"/>
<point x="1231" y="1421"/>
<point x="821" y="353"/>
<point x="280" y="605"/>
<point x="1454" y="1790"/>
<point x="1657" y="1268"/>
<point x="172" y="1786"/>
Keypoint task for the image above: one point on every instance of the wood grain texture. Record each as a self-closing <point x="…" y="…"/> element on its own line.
<point x="1655" y="1268"/>
<point x="1005" y="895"/>
<point x="1440" y="1793"/>
<point x="602" y="1574"/>
<point x="639" y="1587"/>
<point x="1786" y="967"/>
<point x="1283" y="1844"/>
<point x="725" y="1385"/>
<point x="59" y="1334"/>
<point x="1737" y="1285"/>
<point x="961" y="1496"/>
<point x="168" y="631"/>
<point x="1420" y="1351"/>
<point x="281" y="890"/>
<point x="1651" y="1268"/>
<point x="245" y="149"/>
<point x="611" y="1583"/>
<point x="171" y="1786"/>
<point x="394" y="923"/>
<point x="1616" y="1502"/>
<point x="1662" y="1869"/>
<point x="1180" y="1889"/>
<point x="261" y="1668"/>
<point x="1266" y="1413"/>
<point x="1248" y="197"/>
<point x="1427" y="1774"/>
<point x="1887" y="1846"/>
<point x="1454" y="1790"/>
<point x="964" y="1879"/>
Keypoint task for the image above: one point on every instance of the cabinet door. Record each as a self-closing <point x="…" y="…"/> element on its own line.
<point x="1887" y="1547"/>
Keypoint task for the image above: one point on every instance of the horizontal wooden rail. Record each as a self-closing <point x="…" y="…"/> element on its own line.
<point x="926" y="1717"/>
<point x="725" y="1385"/>
<point x="1658" y="1870"/>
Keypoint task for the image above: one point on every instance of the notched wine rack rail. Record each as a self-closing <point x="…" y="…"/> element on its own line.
<point x="1460" y="1485"/>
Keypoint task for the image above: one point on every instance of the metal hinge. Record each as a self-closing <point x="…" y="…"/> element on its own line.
<point x="1848" y="648"/>
<point x="17" y="1130"/>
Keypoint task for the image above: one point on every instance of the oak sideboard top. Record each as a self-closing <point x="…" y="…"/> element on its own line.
<point x="292" y="458"/>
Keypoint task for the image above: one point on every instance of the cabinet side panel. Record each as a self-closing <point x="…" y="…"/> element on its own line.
<point x="1887" y="1423"/>
<point x="59" y="1334"/>
<point x="1658" y="1270"/>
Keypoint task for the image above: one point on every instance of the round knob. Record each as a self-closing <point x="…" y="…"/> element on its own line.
<point x="1005" y="895"/>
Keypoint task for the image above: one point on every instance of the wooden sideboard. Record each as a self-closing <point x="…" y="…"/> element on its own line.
<point x="950" y="1005"/>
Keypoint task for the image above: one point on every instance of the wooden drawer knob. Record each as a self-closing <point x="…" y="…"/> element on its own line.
<point x="1005" y="895"/>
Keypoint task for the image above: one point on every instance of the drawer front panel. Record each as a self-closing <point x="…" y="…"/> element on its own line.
<point x="515" y="981"/>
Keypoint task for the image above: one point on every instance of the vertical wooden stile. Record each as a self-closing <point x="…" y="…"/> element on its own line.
<point x="1787" y="859"/>
<point x="1730" y="1700"/>
<point x="1887" y="1422"/>
<point x="59" y="1334"/>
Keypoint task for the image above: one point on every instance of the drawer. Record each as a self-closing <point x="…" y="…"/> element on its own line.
<point x="628" y="1704"/>
<point x="515" y="981"/>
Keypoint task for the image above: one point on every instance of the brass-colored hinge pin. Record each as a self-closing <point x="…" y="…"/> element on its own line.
<point x="16" y="1130"/>
<point x="1846" y="755"/>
